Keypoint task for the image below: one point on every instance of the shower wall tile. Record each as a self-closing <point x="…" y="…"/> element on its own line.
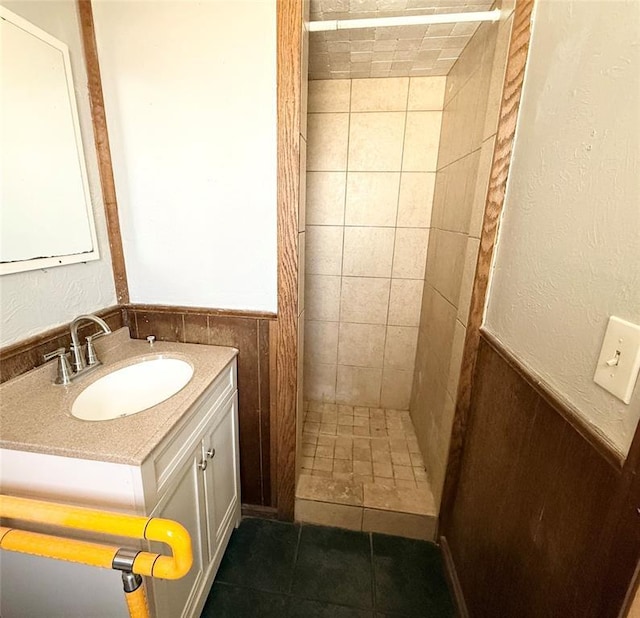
<point x="367" y="229"/>
<point x="471" y="107"/>
<point x="426" y="93"/>
<point x="396" y="389"/>
<point x="368" y="251"/>
<point x="422" y="138"/>
<point x="482" y="186"/>
<point x="372" y="199"/>
<point x="324" y="249"/>
<point x="360" y="384"/>
<point x="405" y="302"/>
<point x="329" y="95"/>
<point x="375" y="141"/>
<point x="449" y="262"/>
<point x="400" y="348"/>
<point x="364" y="300"/>
<point x="497" y="78"/>
<point x="379" y="95"/>
<point x="416" y="199"/>
<point x="302" y="186"/>
<point x="302" y="265"/>
<point x="325" y="198"/>
<point x="456" y="217"/>
<point x="319" y="382"/>
<point x="468" y="273"/>
<point x="328" y="138"/>
<point x="321" y="341"/>
<point x="361" y="345"/>
<point x="322" y="297"/>
<point x="410" y="254"/>
<point x="457" y="346"/>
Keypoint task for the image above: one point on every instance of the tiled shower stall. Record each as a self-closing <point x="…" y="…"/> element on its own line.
<point x="371" y="163"/>
<point x="397" y="176"/>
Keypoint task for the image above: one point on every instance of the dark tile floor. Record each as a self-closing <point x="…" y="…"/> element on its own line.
<point x="280" y="570"/>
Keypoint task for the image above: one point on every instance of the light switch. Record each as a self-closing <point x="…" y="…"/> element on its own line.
<point x="619" y="360"/>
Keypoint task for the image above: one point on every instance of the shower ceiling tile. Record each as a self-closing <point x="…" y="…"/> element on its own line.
<point x="397" y="51"/>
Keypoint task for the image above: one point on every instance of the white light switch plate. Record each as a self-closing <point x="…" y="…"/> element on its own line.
<point x="621" y="349"/>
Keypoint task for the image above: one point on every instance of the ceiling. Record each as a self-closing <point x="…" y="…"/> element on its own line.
<point x="398" y="51"/>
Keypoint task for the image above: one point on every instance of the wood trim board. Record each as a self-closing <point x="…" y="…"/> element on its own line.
<point x="289" y="42"/>
<point x="103" y="150"/>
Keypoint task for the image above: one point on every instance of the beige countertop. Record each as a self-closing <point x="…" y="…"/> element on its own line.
<point x="35" y="413"/>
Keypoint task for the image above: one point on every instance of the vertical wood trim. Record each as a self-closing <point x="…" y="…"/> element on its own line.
<point x="101" y="138"/>
<point x="512" y="93"/>
<point x="289" y="41"/>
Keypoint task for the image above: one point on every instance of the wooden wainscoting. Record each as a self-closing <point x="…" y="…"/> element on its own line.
<point x="28" y="354"/>
<point x="543" y="518"/>
<point x="249" y="332"/>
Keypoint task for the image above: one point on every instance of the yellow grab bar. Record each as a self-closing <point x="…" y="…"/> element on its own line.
<point x="92" y="520"/>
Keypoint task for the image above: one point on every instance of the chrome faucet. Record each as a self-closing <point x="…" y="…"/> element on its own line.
<point x="77" y="359"/>
<point x="79" y="365"/>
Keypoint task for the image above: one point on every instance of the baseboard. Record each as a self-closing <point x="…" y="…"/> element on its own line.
<point x="452" y="577"/>
<point x="255" y="510"/>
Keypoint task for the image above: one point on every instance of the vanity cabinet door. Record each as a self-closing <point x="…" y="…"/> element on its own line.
<point x="183" y="503"/>
<point x="222" y="477"/>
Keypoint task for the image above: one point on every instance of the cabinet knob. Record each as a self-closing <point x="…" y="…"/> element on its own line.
<point x="203" y="464"/>
<point x="211" y="453"/>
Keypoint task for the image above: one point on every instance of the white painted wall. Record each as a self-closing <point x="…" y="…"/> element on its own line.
<point x="569" y="249"/>
<point x="190" y="94"/>
<point x="34" y="301"/>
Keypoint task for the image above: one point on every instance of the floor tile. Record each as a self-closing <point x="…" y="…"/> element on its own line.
<point x="409" y="578"/>
<point x="226" y="601"/>
<point x="334" y="566"/>
<point x="304" y="608"/>
<point x="261" y="555"/>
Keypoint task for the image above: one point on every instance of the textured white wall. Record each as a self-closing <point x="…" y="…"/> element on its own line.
<point x="190" y="95"/>
<point x="31" y="302"/>
<point x="569" y="249"/>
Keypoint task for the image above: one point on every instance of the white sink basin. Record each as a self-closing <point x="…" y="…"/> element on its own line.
<point x="132" y="389"/>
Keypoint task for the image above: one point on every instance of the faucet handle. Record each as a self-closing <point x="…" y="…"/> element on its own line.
<point x="64" y="369"/>
<point x="95" y="336"/>
<point x="151" y="339"/>
<point x="58" y="352"/>
<point x="92" y="357"/>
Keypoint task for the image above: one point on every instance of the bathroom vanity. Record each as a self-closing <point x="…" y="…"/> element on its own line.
<point x="178" y="460"/>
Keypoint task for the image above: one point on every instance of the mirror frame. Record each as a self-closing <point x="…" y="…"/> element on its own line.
<point x="74" y="258"/>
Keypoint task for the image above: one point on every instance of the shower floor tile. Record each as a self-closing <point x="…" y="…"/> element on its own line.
<point x="365" y="458"/>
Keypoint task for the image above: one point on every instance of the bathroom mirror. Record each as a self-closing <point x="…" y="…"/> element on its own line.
<point x="46" y="218"/>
